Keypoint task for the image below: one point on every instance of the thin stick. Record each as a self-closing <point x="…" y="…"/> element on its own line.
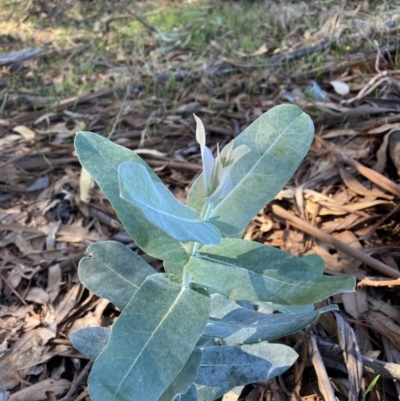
<point x="378" y="283"/>
<point x="372" y="175"/>
<point x="13" y="290"/>
<point x="334" y="242"/>
<point x="78" y="381"/>
<point x="121" y="109"/>
<point x="324" y="383"/>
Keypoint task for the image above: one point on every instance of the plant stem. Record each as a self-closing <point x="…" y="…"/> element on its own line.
<point x="207" y="212"/>
<point x="186" y="279"/>
<point x="193" y="245"/>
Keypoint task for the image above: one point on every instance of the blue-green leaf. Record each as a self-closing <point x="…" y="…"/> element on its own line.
<point x="278" y="142"/>
<point x="181" y="386"/>
<point x="150" y="342"/>
<point x="237" y="325"/>
<point x="244" y="270"/>
<point x="101" y="158"/>
<point x="90" y="341"/>
<point x="190" y="395"/>
<point x="234" y="365"/>
<point x="174" y="268"/>
<point x="161" y="208"/>
<point x="207" y="393"/>
<point x="113" y="271"/>
<point x="315" y="262"/>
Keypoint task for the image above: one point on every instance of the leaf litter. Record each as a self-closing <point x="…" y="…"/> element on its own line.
<point x="342" y="203"/>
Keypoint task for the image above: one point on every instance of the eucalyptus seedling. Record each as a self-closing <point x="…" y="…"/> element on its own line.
<point x="203" y="327"/>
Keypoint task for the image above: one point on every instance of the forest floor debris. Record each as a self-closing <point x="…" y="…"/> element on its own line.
<point x="137" y="77"/>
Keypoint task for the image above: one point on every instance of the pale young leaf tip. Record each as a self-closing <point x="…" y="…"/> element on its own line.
<point x="216" y="183"/>
<point x="200" y="132"/>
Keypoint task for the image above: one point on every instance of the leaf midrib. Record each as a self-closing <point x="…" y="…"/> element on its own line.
<point x="182" y="291"/>
<point x="254" y="166"/>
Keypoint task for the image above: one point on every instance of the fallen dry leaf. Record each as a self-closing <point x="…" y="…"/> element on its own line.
<point x="340" y="87"/>
<point x="25" y="132"/>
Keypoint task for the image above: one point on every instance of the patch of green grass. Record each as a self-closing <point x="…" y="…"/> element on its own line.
<point x="84" y="56"/>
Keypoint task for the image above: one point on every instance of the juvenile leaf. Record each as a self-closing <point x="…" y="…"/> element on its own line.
<point x="237" y="325"/>
<point x="206" y="157"/>
<point x="150" y="342"/>
<point x="90" y="341"/>
<point x="244" y="270"/>
<point x="181" y="385"/>
<point x="113" y="271"/>
<point x="234" y="365"/>
<point x="278" y="142"/>
<point x="101" y="158"/>
<point x="161" y="208"/>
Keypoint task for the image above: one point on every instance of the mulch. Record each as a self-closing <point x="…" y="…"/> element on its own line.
<point x="342" y="203"/>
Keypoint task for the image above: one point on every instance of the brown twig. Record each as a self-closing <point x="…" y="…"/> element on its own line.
<point x="367" y="172"/>
<point x="324" y="383"/>
<point x="334" y="242"/>
<point x="78" y="381"/>
<point x="395" y="210"/>
<point x="12" y="289"/>
<point x="351" y="355"/>
<point x="378" y="283"/>
<point x="387" y="370"/>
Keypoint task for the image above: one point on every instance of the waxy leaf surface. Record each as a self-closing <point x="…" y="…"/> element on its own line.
<point x="183" y="381"/>
<point x="190" y="395"/>
<point x="174" y="268"/>
<point x="278" y="142"/>
<point x="244" y="270"/>
<point x="237" y="325"/>
<point x="161" y="208"/>
<point x="150" y="342"/>
<point x="207" y="393"/>
<point x="113" y="271"/>
<point x="90" y="341"/>
<point x="316" y="262"/>
<point x="234" y="365"/>
<point x="101" y="158"/>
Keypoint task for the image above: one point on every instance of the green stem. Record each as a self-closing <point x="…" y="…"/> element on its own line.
<point x="186" y="279"/>
<point x="207" y="212"/>
<point x="193" y="245"/>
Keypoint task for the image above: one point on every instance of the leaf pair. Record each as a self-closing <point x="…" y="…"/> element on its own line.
<point x="239" y="183"/>
<point x="245" y="270"/>
<point x="149" y="358"/>
<point x="161" y="324"/>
